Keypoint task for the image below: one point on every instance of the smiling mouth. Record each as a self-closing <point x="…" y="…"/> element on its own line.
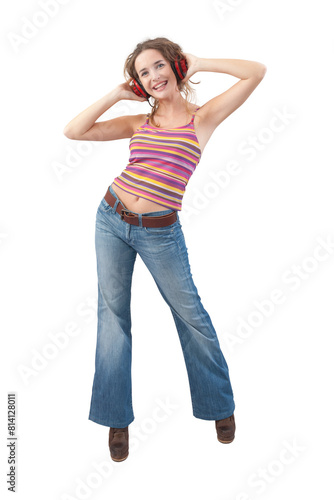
<point x="161" y="86"/>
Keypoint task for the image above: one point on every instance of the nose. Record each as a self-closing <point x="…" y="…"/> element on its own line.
<point x="156" y="74"/>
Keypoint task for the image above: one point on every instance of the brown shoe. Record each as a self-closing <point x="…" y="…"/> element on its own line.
<point x="225" y="429"/>
<point x="119" y="443"/>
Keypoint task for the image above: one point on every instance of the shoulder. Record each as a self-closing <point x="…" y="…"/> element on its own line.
<point x="194" y="108"/>
<point x="138" y="120"/>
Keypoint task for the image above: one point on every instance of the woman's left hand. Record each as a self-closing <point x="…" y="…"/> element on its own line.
<point x="192" y="62"/>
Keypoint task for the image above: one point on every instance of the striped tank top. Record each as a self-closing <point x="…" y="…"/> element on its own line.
<point x="161" y="163"/>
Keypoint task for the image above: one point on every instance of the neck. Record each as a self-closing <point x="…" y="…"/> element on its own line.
<point x="171" y="106"/>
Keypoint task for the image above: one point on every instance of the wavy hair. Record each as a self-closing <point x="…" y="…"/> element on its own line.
<point x="170" y="51"/>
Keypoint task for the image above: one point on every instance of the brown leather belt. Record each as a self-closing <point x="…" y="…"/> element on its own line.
<point x="147" y="221"/>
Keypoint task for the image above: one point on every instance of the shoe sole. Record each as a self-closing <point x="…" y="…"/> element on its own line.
<point x="119" y="459"/>
<point x="225" y="442"/>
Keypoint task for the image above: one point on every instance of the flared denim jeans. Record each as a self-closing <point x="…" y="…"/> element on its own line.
<point x="164" y="252"/>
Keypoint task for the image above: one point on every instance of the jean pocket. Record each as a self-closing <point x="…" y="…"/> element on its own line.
<point x="104" y="206"/>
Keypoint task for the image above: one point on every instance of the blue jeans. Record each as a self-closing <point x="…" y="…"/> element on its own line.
<point x="164" y="252"/>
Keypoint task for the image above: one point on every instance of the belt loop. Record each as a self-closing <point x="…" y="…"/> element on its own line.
<point x="115" y="206"/>
<point x="140" y="222"/>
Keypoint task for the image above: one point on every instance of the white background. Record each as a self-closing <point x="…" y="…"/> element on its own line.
<point x="247" y="239"/>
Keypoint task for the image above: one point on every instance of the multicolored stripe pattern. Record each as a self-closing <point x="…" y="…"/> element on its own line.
<point x="161" y="163"/>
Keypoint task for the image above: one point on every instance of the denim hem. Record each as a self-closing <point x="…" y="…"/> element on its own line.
<point x="219" y="416"/>
<point x="110" y="424"/>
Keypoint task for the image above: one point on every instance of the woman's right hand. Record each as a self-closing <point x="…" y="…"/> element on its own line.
<point x="125" y="92"/>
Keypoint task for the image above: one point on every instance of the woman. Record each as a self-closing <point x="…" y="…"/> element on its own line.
<point x="140" y="214"/>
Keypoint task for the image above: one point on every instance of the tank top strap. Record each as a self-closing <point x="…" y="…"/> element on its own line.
<point x="148" y="116"/>
<point x="193" y="116"/>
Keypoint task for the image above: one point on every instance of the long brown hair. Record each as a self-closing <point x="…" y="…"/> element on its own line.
<point x="170" y="51"/>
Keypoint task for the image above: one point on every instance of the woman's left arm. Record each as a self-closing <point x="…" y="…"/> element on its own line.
<point x="220" y="107"/>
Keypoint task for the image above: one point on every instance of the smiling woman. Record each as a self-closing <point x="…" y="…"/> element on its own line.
<point x="139" y="214"/>
<point x="137" y="68"/>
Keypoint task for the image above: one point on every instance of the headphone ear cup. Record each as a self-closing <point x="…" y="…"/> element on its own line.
<point x="138" y="89"/>
<point x="183" y="67"/>
<point x="180" y="67"/>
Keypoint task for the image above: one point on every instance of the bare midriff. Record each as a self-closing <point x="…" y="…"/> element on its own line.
<point x="135" y="203"/>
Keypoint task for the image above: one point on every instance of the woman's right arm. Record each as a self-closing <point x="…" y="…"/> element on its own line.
<point x="85" y="128"/>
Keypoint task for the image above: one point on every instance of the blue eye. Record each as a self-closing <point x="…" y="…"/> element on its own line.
<point x="145" y="72"/>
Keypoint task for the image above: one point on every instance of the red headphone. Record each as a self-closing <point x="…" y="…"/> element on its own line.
<point x="179" y="66"/>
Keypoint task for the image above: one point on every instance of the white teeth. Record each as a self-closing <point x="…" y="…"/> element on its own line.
<point x="159" y="86"/>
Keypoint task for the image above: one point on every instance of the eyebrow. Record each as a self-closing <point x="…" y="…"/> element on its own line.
<point x="156" y="62"/>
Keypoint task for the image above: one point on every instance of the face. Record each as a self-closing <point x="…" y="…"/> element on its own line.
<point x="155" y="73"/>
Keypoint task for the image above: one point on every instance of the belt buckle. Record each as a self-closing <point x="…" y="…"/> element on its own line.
<point x="124" y="211"/>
